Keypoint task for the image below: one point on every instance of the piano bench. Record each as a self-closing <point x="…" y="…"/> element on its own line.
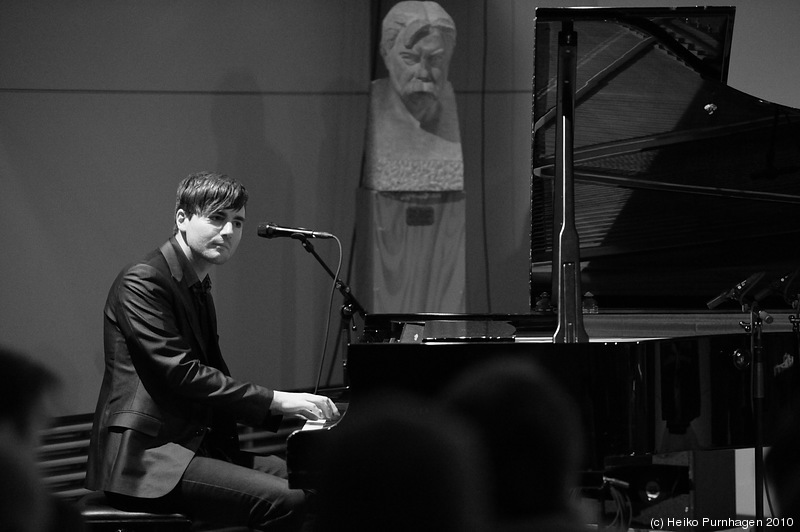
<point x="102" y="517"/>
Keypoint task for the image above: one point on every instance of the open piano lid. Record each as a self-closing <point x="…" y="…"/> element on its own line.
<point x="684" y="186"/>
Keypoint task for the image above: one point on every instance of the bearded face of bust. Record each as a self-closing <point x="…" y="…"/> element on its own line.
<point x="417" y="51"/>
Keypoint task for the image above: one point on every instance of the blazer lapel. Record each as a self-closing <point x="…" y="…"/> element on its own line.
<point x="184" y="293"/>
<point x="210" y="353"/>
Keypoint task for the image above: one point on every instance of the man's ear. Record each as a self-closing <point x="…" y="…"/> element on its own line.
<point x="181" y="217"/>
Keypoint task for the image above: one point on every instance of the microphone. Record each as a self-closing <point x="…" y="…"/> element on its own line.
<point x="775" y="287"/>
<point x="736" y="292"/>
<point x="270" y="230"/>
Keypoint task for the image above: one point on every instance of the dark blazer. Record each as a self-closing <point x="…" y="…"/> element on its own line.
<point x="164" y="387"/>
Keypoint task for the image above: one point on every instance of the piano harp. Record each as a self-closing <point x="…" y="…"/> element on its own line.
<point x="683" y="187"/>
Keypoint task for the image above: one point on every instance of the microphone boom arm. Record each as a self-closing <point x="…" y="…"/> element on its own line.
<point x="351" y="304"/>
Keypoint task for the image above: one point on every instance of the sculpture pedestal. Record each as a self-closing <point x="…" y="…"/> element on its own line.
<point x="410" y="251"/>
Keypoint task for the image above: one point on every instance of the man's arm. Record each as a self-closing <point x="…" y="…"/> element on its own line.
<point x="153" y="318"/>
<point x="157" y="327"/>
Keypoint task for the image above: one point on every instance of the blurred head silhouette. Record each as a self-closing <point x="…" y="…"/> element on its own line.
<point x="531" y="429"/>
<point x="401" y="465"/>
<point x="782" y="468"/>
<point x="26" y="388"/>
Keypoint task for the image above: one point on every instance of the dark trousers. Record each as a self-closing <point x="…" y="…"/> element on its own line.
<point x="214" y="492"/>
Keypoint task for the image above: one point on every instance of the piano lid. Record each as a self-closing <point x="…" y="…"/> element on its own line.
<point x="684" y="186"/>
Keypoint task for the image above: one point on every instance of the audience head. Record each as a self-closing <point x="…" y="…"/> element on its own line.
<point x="25" y="389"/>
<point x="782" y="468"/>
<point x="400" y="465"/>
<point x="531" y="429"/>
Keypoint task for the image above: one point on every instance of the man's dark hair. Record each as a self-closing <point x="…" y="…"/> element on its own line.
<point x="205" y="193"/>
<point x="23" y="383"/>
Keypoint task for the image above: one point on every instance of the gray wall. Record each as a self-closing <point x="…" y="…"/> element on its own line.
<point x="106" y="104"/>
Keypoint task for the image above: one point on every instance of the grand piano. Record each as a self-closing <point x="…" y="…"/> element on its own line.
<point x="683" y="197"/>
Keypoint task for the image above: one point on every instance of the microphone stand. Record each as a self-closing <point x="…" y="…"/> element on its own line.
<point x="349" y="308"/>
<point x="754" y="329"/>
<point x="794" y="319"/>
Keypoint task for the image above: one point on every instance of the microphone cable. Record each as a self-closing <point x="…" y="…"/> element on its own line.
<point x="328" y="318"/>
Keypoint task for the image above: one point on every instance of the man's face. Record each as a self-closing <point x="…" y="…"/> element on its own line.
<point x="418" y="73"/>
<point x="212" y="239"/>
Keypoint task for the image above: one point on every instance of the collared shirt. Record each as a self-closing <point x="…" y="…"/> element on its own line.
<point x="203" y="303"/>
<point x="188" y="272"/>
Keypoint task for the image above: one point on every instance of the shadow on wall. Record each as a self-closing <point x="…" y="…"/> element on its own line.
<point x="256" y="303"/>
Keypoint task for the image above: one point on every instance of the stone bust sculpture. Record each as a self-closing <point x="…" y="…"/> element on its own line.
<point x="413" y="140"/>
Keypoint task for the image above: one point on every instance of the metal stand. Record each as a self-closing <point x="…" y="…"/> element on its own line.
<point x="348" y="310"/>
<point x="795" y="321"/>
<point x="754" y="328"/>
<point x="566" y="245"/>
<point x="794" y="302"/>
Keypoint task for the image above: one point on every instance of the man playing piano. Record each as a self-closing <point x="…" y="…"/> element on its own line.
<point x="164" y="436"/>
